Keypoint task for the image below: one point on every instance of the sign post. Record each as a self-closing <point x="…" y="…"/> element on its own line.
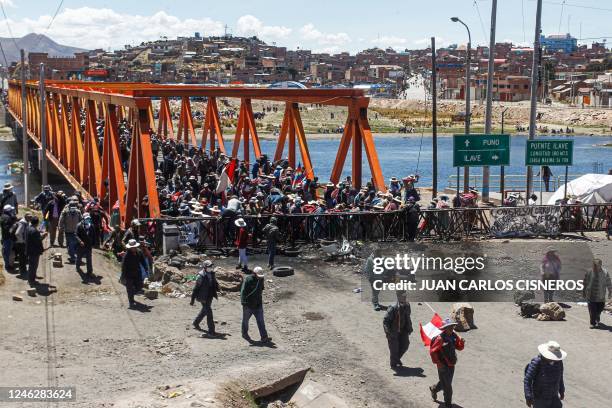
<point x="550" y="153"/>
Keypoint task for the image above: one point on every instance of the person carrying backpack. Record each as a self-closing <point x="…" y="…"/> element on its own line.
<point x="543" y="383"/>
<point x="20" y="231"/>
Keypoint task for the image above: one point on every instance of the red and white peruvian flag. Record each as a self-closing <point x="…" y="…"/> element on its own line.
<point x="227" y="177"/>
<point x="431" y="329"/>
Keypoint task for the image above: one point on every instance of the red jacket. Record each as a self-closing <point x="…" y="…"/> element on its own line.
<point x="242" y="238"/>
<point x="438" y="346"/>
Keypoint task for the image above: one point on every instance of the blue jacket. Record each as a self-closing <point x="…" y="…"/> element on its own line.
<point x="543" y="380"/>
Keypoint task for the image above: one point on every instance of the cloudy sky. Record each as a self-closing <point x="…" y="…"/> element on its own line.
<point x="321" y="25"/>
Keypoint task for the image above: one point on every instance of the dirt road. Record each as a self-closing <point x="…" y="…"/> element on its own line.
<point x="85" y="336"/>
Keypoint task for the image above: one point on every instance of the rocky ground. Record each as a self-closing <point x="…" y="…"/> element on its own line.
<point x="84" y="336"/>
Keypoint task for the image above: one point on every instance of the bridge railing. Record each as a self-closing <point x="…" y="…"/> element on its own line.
<point x="432" y="224"/>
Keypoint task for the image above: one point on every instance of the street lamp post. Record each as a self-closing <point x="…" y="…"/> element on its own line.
<point x="466" y="170"/>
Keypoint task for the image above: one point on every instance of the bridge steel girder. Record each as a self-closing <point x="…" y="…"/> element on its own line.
<point x="74" y="151"/>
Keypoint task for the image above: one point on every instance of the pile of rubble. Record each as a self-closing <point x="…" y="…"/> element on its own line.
<point x="174" y="275"/>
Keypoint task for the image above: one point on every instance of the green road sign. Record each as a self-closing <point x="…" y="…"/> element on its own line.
<point x="549" y="152"/>
<point x="481" y="150"/>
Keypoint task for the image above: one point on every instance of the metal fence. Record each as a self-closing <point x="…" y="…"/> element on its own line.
<point x="431" y="224"/>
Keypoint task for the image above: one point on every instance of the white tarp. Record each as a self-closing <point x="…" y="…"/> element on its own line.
<point x="589" y="189"/>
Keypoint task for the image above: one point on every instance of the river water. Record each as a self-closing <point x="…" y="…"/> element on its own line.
<point x="399" y="156"/>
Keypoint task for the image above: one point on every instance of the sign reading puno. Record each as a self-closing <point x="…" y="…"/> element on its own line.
<point x="549" y="153"/>
<point x="481" y="150"/>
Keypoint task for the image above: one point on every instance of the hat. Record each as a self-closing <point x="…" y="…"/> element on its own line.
<point x="47" y="188"/>
<point x="207" y="263"/>
<point x="8" y="186"/>
<point x="240" y="223"/>
<point x="394" y="179"/>
<point x="135" y="223"/>
<point x="258" y="270"/>
<point x="552" y="351"/>
<point x="132" y="243"/>
<point x="86" y="215"/>
<point x="447" y="323"/>
<point x="330" y="185"/>
<point x="8" y="208"/>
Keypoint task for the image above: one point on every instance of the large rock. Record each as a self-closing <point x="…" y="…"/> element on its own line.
<point x="551" y="311"/>
<point x="229" y="280"/>
<point x="463" y="314"/>
<point x="166" y="273"/>
<point x="316" y="395"/>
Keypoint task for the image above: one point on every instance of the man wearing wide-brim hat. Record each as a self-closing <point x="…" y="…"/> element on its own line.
<point x="242" y="240"/>
<point x="443" y="352"/>
<point x="543" y="383"/>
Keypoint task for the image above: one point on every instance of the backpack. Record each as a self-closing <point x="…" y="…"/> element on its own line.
<point x="537" y="368"/>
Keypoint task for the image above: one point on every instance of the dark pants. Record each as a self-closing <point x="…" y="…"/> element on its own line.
<point x="271" y="252"/>
<point x="7" y="247"/>
<point x="411" y="230"/>
<point x="247" y="312"/>
<point x="398" y="345"/>
<point x="595" y="309"/>
<point x="132" y="286"/>
<point x="548" y="296"/>
<point x="546" y="183"/>
<point x="207" y="312"/>
<point x="32" y="268"/>
<point x="72" y="244"/>
<point x="52" y="225"/>
<point x="547" y="403"/>
<point x="20" y="256"/>
<point x="445" y="383"/>
<point x="84" y="253"/>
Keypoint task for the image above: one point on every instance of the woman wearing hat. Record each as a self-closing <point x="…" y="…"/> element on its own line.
<point x="443" y="352"/>
<point x="543" y="383"/>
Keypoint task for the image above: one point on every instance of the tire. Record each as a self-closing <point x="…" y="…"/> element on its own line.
<point x="282" y="271"/>
<point x="292" y="252"/>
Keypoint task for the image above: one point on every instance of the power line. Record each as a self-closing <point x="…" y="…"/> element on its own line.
<point x="523" y="19"/>
<point x="565" y="3"/>
<point x="57" y="10"/>
<point x="8" y="26"/>
<point x="484" y="32"/>
<point x="561" y="16"/>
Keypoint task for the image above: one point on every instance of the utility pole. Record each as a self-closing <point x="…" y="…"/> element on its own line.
<point x="43" y="125"/>
<point x="434" y="119"/>
<point x="489" y="107"/>
<point x="466" y="170"/>
<point x="24" y="132"/>
<point x="534" y="92"/>
<point x="502" y="174"/>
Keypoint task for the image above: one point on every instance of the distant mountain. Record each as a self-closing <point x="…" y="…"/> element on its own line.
<point x="34" y="43"/>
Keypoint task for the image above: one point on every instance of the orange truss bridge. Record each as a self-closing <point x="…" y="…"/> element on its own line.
<point x="75" y="153"/>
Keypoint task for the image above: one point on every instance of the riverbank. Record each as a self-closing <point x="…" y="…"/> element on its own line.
<point x="390" y="116"/>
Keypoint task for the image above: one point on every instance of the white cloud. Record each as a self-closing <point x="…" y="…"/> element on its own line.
<point x="331" y="40"/>
<point x="89" y="27"/>
<point x="249" y="25"/>
<point x="7" y="3"/>
<point x="390" y="41"/>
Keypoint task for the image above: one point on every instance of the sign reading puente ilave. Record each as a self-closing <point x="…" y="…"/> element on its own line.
<point x="481" y="150"/>
<point x="549" y="152"/>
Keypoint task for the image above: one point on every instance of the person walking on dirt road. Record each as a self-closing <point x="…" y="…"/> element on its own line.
<point x="443" y="352"/>
<point x="398" y="326"/>
<point x="596" y="283"/>
<point x="242" y="240"/>
<point x="131" y="276"/>
<point x="252" y="304"/>
<point x="543" y="383"/>
<point x="34" y="249"/>
<point x="204" y="291"/>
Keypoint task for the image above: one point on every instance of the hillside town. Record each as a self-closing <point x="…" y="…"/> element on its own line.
<point x="574" y="74"/>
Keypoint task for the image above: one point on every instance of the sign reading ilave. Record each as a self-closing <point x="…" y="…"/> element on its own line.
<point x="481" y="150"/>
<point x="549" y="153"/>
